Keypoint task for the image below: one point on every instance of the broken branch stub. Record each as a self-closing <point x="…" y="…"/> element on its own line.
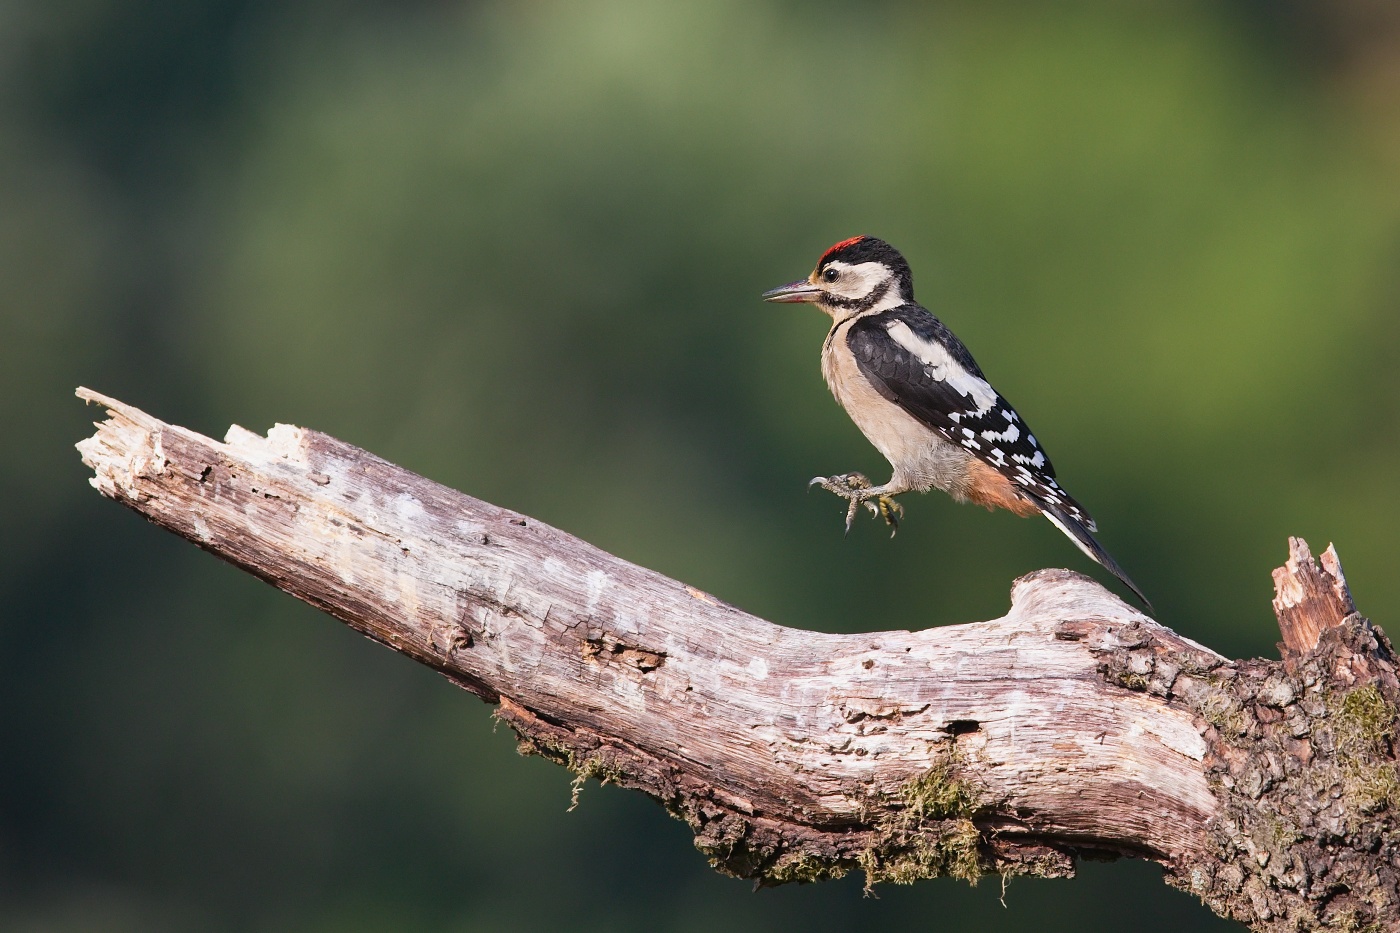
<point x="1309" y="599"/>
<point x="1074" y="724"/>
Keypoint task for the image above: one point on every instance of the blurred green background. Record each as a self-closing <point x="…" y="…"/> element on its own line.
<point x="518" y="248"/>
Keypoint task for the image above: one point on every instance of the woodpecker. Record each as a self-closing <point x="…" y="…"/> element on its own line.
<point x="916" y="393"/>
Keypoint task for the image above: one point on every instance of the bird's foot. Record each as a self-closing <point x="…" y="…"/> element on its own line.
<point x="849" y="486"/>
<point x="887" y="508"/>
<point x="856" y="489"/>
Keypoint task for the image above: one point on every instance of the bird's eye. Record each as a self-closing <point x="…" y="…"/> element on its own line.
<point x="830" y="275"/>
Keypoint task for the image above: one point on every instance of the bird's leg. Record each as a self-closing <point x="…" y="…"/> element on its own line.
<point x="856" y="489"/>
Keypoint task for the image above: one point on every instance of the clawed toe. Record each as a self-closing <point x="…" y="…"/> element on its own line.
<point x="851" y="513"/>
<point x="890" y="510"/>
<point x="858" y="491"/>
<point x="845" y="485"/>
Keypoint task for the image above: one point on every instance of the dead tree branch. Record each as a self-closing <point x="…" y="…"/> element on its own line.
<point x="1072" y="725"/>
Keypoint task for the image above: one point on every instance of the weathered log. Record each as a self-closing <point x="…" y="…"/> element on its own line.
<point x="1074" y="725"/>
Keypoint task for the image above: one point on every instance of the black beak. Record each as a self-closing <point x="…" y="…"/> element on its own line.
<point x="801" y="290"/>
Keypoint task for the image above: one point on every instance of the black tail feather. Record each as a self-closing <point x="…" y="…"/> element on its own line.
<point x="1078" y="532"/>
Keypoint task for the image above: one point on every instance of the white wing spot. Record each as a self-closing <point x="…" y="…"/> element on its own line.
<point x="1037" y="461"/>
<point x="943" y="367"/>
<point x="1009" y="435"/>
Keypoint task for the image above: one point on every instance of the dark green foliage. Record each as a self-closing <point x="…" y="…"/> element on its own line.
<point x="518" y="248"/>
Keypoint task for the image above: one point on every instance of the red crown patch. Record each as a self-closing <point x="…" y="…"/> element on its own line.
<point x="838" y="247"/>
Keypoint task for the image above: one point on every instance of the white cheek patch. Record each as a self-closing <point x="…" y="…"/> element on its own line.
<point x="943" y="367"/>
<point x="858" y="280"/>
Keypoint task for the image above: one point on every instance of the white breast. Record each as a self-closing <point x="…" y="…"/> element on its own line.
<point x="921" y="458"/>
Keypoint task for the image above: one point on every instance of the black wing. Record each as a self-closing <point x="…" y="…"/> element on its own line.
<point x="916" y="362"/>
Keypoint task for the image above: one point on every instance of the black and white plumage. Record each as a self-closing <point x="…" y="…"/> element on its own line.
<point x="916" y="392"/>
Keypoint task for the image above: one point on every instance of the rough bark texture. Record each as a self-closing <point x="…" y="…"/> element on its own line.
<point x="1074" y="725"/>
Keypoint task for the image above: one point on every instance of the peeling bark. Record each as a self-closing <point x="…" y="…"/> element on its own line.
<point x="1074" y="725"/>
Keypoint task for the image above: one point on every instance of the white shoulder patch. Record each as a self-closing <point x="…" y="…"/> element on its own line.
<point x="942" y="366"/>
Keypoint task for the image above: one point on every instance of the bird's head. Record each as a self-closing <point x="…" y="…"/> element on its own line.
<point x="853" y="276"/>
